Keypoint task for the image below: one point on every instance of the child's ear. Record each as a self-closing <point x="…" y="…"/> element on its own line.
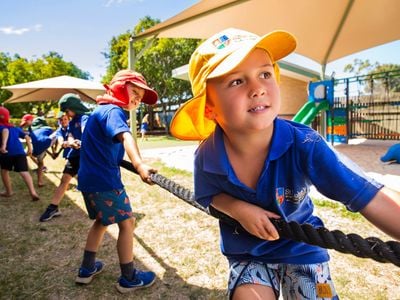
<point x="209" y="112"/>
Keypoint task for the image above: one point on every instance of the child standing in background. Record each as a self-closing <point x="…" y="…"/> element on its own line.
<point x="144" y="127"/>
<point x="61" y="136"/>
<point x="13" y="156"/>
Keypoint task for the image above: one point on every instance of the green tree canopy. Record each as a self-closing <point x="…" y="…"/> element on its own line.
<point x="376" y="77"/>
<point x="156" y="62"/>
<point x="16" y="70"/>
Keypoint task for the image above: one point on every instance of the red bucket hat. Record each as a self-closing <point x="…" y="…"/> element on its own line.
<point x="117" y="87"/>
<point x="26" y="118"/>
<point x="4" y="116"/>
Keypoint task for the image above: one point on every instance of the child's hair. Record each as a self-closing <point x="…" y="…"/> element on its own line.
<point x="216" y="57"/>
<point x="117" y="93"/>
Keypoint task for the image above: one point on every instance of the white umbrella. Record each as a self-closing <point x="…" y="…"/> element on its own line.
<point x="52" y="89"/>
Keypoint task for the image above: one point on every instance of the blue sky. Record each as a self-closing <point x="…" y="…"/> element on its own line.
<point x="80" y="30"/>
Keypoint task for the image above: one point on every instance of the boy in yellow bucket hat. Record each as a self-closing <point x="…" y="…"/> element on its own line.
<point x="253" y="166"/>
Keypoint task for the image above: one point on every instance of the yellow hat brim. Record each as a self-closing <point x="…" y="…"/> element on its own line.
<point x="189" y="122"/>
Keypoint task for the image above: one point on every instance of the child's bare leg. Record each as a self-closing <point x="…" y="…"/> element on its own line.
<point x="40" y="173"/>
<point x="29" y="183"/>
<point x="125" y="241"/>
<point x="253" y="291"/>
<point x="61" y="189"/>
<point x="5" y="177"/>
<point x="34" y="159"/>
<point x="95" y="236"/>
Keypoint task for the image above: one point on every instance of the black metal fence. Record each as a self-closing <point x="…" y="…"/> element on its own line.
<point x="365" y="106"/>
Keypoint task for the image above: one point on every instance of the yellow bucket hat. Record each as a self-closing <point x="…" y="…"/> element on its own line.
<point x="215" y="57"/>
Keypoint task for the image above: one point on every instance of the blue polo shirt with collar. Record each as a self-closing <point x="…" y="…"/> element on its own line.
<point x="63" y="133"/>
<point x="102" y="152"/>
<point x="299" y="157"/>
<point x="14" y="145"/>
<point x="75" y="128"/>
<point x="41" y="139"/>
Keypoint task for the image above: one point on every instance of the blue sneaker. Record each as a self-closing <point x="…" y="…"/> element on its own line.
<point x="85" y="276"/>
<point x="140" y="280"/>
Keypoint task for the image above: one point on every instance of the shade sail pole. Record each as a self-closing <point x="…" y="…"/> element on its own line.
<point x="327" y="55"/>
<point x="131" y="66"/>
<point x="132" y="59"/>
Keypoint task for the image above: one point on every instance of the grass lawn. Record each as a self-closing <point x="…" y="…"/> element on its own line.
<point x="172" y="238"/>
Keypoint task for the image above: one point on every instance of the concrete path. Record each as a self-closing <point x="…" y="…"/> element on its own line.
<point x="180" y="157"/>
<point x="365" y="153"/>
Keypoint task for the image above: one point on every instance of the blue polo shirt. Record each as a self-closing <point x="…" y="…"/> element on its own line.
<point x="41" y="139"/>
<point x="299" y="157"/>
<point x="14" y="145"/>
<point x="75" y="127"/>
<point x="62" y="132"/>
<point x="101" y="151"/>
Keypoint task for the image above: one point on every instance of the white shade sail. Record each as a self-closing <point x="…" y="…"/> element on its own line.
<point x="325" y="30"/>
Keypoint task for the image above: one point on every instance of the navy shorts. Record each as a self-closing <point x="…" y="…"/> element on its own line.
<point x="17" y="163"/>
<point x="108" y="207"/>
<point x="72" y="166"/>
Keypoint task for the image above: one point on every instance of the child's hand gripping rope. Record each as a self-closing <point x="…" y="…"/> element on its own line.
<point x="371" y="247"/>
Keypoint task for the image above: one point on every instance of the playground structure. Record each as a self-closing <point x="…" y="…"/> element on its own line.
<point x="319" y="100"/>
<point x="365" y="106"/>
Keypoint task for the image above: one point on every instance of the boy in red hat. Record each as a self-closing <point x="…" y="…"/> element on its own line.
<point x="26" y="120"/>
<point x="106" y="138"/>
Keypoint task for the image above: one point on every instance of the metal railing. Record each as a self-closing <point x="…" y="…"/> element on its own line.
<point x="365" y="106"/>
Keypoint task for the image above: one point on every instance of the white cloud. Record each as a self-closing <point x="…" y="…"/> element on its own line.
<point x="37" y="27"/>
<point x="117" y="2"/>
<point x="111" y="2"/>
<point x="20" y="31"/>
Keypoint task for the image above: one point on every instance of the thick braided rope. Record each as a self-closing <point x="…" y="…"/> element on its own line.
<point x="371" y="247"/>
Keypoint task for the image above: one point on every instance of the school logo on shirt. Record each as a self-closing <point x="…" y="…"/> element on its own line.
<point x="296" y="196"/>
<point x="290" y="195"/>
<point x="280" y="195"/>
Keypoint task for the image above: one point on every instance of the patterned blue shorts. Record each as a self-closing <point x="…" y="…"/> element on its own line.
<point x="108" y="207"/>
<point x="300" y="282"/>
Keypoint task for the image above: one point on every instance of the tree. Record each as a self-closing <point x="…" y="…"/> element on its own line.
<point x="375" y="77"/>
<point x="16" y="70"/>
<point x="156" y="63"/>
<point x="359" y="67"/>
